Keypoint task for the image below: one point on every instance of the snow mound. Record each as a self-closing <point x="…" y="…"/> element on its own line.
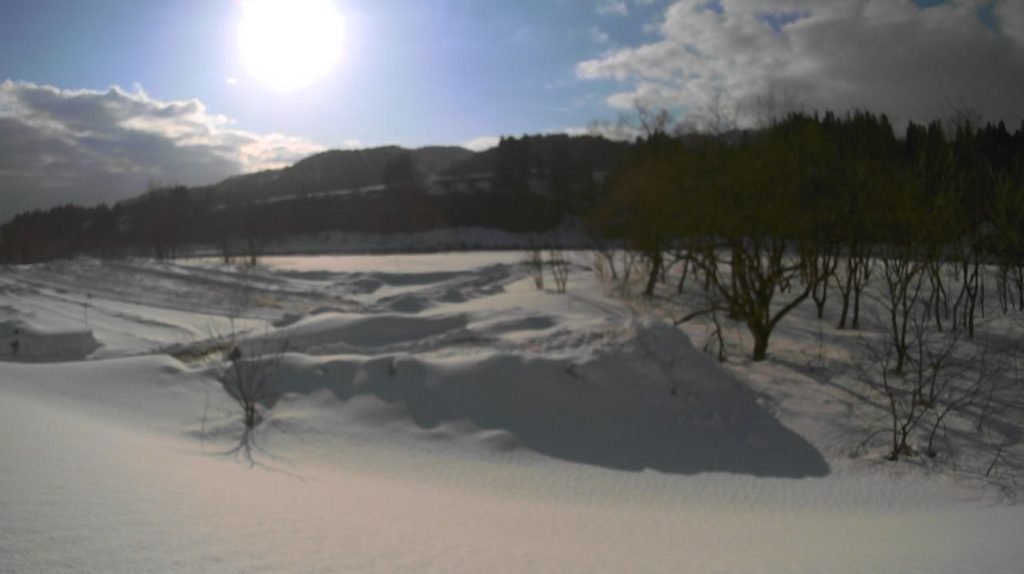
<point x="500" y="429"/>
<point x="32" y="342"/>
<point x="650" y="401"/>
<point x="332" y="333"/>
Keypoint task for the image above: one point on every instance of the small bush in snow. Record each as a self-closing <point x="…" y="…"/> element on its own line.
<point x="535" y="260"/>
<point x="559" y="265"/>
<point x="247" y="373"/>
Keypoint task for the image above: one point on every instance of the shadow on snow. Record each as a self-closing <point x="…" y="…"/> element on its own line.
<point x="581" y="413"/>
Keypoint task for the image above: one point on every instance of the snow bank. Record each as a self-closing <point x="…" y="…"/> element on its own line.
<point x="585" y="413"/>
<point x="442" y="415"/>
<point x="48" y="341"/>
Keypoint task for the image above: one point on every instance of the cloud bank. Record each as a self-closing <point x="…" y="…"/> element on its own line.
<point x="889" y="56"/>
<point x="86" y="146"/>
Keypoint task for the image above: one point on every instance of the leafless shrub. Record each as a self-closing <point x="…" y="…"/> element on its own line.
<point x="925" y="377"/>
<point x="904" y="282"/>
<point x="717" y="338"/>
<point x="628" y="261"/>
<point x="601" y="268"/>
<point x="246" y="367"/>
<point x="246" y="373"/>
<point x="852" y="277"/>
<point x="535" y="260"/>
<point x="706" y="304"/>
<point x="604" y="263"/>
<point x="559" y="265"/>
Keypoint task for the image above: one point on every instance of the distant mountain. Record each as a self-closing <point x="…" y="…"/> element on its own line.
<point x="526" y="184"/>
<point x="515" y="165"/>
<point x="335" y="170"/>
<point x="540" y="152"/>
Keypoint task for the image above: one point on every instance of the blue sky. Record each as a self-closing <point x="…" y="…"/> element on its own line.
<point x="415" y="72"/>
<point x="98" y="98"/>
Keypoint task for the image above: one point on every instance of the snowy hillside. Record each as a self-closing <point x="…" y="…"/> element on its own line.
<point x="437" y="413"/>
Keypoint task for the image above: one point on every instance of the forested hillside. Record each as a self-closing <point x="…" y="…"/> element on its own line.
<point x="532" y="184"/>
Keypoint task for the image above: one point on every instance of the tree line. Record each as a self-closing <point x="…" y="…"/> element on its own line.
<point x="770" y="218"/>
<point x="913" y="239"/>
<point x="175" y="224"/>
<point x="536" y="182"/>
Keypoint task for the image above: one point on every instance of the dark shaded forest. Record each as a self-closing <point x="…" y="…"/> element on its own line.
<point x="771" y="218"/>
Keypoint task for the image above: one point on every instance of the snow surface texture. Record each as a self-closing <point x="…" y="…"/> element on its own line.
<point x="433" y="413"/>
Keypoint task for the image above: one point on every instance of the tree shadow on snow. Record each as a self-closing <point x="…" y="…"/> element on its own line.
<point x="231" y="440"/>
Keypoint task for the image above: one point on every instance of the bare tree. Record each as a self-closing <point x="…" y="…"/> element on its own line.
<point x="649" y="121"/>
<point x="968" y="272"/>
<point x="902" y="292"/>
<point x="852" y="278"/>
<point x="248" y="364"/>
<point x="535" y="261"/>
<point x="247" y="372"/>
<point x="960" y="116"/>
<point x="769" y="107"/>
<point x="942" y="376"/>
<point x="559" y="265"/>
<point x="628" y="265"/>
<point x="709" y="306"/>
<point x="255" y="246"/>
<point x="759" y="268"/>
<point x="604" y="249"/>
<point x="718" y="116"/>
<point x="228" y="248"/>
<point x="821" y="258"/>
<point x="904" y="409"/>
<point x="1007" y="217"/>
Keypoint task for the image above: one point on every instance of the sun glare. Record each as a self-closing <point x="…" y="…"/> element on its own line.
<point x="290" y="44"/>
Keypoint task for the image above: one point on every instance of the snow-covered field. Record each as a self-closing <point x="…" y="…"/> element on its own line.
<point x="437" y="413"/>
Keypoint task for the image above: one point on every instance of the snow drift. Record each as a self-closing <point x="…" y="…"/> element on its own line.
<point x="432" y="414"/>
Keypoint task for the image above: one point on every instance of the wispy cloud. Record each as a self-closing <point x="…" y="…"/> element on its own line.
<point x="613" y="8"/>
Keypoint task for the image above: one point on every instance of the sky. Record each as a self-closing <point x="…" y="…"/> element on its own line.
<point x="101" y="98"/>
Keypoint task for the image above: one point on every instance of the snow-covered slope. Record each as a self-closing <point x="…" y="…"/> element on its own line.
<point x="433" y="415"/>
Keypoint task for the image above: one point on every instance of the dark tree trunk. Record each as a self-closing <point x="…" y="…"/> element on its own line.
<point x="844" y="292"/>
<point x="657" y="261"/>
<point x="760" y="343"/>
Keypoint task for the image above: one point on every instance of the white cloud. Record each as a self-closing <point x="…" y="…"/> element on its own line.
<point x="1010" y="14"/>
<point x="613" y="8"/>
<point x="87" y="146"/>
<point x="886" y="55"/>
<point x="482" y="143"/>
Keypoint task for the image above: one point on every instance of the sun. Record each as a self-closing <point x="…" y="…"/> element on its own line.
<point x="290" y="44"/>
